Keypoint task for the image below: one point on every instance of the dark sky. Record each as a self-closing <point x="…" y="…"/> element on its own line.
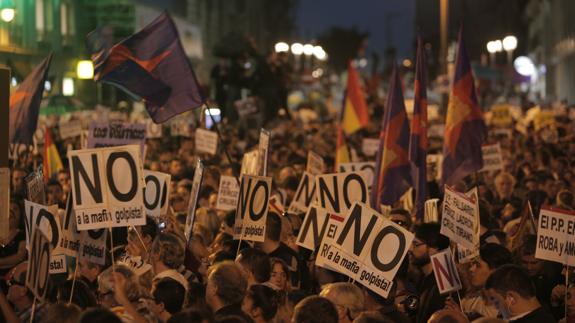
<point x="315" y="16"/>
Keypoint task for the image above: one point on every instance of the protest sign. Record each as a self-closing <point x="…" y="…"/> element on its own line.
<point x="116" y="134"/>
<point x="37" y="273"/>
<point x="492" y="159"/>
<point x="228" y="193"/>
<point x="337" y="192"/>
<point x="156" y="193"/>
<point x="366" y="247"/>
<point x="458" y="221"/>
<point x="70" y="129"/>
<point x="250" y="163"/>
<point x="304" y="194"/>
<point x="545" y="118"/>
<point x="370" y="146"/>
<point x="434" y="168"/>
<point x="46" y="219"/>
<point x="180" y="127"/>
<point x="247" y="106"/>
<point x="501" y="115"/>
<point x="4" y="204"/>
<point x="58" y="264"/>
<point x="108" y="187"/>
<point x="252" y="209"/>
<point x="315" y="164"/>
<point x="263" y="151"/>
<point x="137" y="264"/>
<point x="556" y="236"/>
<point x="431" y="212"/>
<point x="313" y="227"/>
<point x="368" y="167"/>
<point x="445" y="272"/>
<point x="193" y="201"/>
<point x="89" y="245"/>
<point x="206" y="141"/>
<point x="35" y="187"/>
<point x="153" y="130"/>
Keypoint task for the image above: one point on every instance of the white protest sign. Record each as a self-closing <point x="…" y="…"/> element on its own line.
<point x="315" y="164"/>
<point x="116" y="134"/>
<point x="153" y="130"/>
<point x="37" y="273"/>
<point x="370" y="146"/>
<point x="70" y="129"/>
<point x="458" y="221"/>
<point x="180" y="127"/>
<point x="35" y="187"/>
<point x="250" y="163"/>
<point x="46" y="219"/>
<point x="313" y="227"/>
<point x="89" y="245"/>
<point x="4" y="204"/>
<point x="366" y="247"/>
<point x="156" y="193"/>
<point x="337" y="192"/>
<point x="368" y="167"/>
<point x="433" y="163"/>
<point x="206" y="141"/>
<point x="304" y="195"/>
<point x="108" y="187"/>
<point x="252" y="209"/>
<point x="58" y="264"/>
<point x="556" y="236"/>
<point x="246" y="106"/>
<point x="445" y="272"/>
<point x="228" y="193"/>
<point x="193" y="201"/>
<point x="492" y="159"/>
<point x="430" y="213"/>
<point x="263" y="151"/>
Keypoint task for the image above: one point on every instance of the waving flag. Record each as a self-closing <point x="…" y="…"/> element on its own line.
<point x="341" y="151"/>
<point x="392" y="176"/>
<point x="465" y="129"/>
<point x="418" y="136"/>
<point x="25" y="104"/>
<point x="150" y="64"/>
<point x="52" y="162"/>
<point x="355" y="114"/>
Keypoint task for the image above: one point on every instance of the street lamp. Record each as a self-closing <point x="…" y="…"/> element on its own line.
<point x="493" y="47"/>
<point x="281" y="47"/>
<point x="7" y="11"/>
<point x="308" y="49"/>
<point x="296" y="49"/>
<point x="85" y="70"/>
<point x="509" y="44"/>
<point x="319" y="53"/>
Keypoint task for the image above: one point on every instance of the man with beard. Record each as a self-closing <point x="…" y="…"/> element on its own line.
<point x="428" y="241"/>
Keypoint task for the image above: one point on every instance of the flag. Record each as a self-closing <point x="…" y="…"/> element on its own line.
<point x="341" y="150"/>
<point x="526" y="227"/>
<point x="25" y="104"/>
<point x="52" y="162"/>
<point x="150" y="64"/>
<point x="392" y="176"/>
<point x="465" y="130"/>
<point x="418" y="135"/>
<point x="355" y="114"/>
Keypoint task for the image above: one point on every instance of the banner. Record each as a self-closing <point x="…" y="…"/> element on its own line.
<point x="35" y="187"/>
<point x="4" y="204"/>
<point x="366" y="247"/>
<point x="206" y="141"/>
<point x="337" y="192"/>
<point x="252" y="209"/>
<point x="313" y="227"/>
<point x="458" y="221"/>
<point x="445" y="272"/>
<point x="304" y="195"/>
<point x="228" y="193"/>
<point x="370" y="146"/>
<point x="368" y="167"/>
<point x="315" y="164"/>
<point x="556" y="236"/>
<point x="156" y="193"/>
<point x="37" y="273"/>
<point x="193" y="201"/>
<point x="107" y="187"/>
<point x="116" y="134"/>
<point x="263" y="151"/>
<point x="492" y="159"/>
<point x="46" y="219"/>
<point x="70" y="129"/>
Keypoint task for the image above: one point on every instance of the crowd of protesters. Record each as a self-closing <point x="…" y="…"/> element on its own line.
<point x="215" y="278"/>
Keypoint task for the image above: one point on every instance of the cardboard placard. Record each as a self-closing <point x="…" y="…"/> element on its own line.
<point x="228" y="193"/>
<point x="313" y="227"/>
<point x="153" y="130"/>
<point x="250" y="163"/>
<point x="70" y="129"/>
<point x="315" y="164"/>
<point x="263" y="151"/>
<point x="304" y="195"/>
<point x="368" y="167"/>
<point x="117" y="134"/>
<point x="156" y="193"/>
<point x="556" y="236"/>
<point x="46" y="219"/>
<point x="370" y="146"/>
<point x="252" y="209"/>
<point x="193" y="201"/>
<point x="206" y="141"/>
<point x="37" y="273"/>
<point x="458" y="221"/>
<point x="108" y="187"/>
<point x="445" y="272"/>
<point x="492" y="159"/>
<point x="58" y="264"/>
<point x="337" y="192"/>
<point x="501" y="115"/>
<point x="35" y="189"/>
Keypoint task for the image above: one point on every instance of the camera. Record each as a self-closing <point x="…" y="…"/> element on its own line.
<point x="162" y="225"/>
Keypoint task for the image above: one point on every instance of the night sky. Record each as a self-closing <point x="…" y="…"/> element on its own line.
<point x="315" y="16"/>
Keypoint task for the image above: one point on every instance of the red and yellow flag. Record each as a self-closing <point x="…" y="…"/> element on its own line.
<point x="341" y="151"/>
<point x="52" y="162"/>
<point x="355" y="114"/>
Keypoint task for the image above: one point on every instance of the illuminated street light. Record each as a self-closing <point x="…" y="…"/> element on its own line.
<point x="308" y="49"/>
<point x="281" y="47"/>
<point x="85" y="70"/>
<point x="319" y="53"/>
<point x="493" y="47"/>
<point x="7" y="14"/>
<point x="68" y="86"/>
<point x="297" y="49"/>
<point x="509" y="44"/>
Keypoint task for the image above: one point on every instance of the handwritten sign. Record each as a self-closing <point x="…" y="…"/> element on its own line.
<point x="459" y="222"/>
<point x="206" y="141"/>
<point x="492" y="159"/>
<point x="556" y="236"/>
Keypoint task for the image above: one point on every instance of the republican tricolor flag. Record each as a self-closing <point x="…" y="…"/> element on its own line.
<point x="465" y="130"/>
<point x="52" y="162"/>
<point x="355" y="113"/>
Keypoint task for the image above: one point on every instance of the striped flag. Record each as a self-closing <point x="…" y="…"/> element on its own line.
<point x="341" y="150"/>
<point x="355" y="114"/>
<point x="52" y="162"/>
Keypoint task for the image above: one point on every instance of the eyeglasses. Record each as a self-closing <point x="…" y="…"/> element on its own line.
<point x="418" y="243"/>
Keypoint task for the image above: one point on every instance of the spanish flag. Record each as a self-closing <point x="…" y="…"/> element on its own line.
<point x="355" y="114"/>
<point x="52" y="161"/>
<point x="341" y="151"/>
